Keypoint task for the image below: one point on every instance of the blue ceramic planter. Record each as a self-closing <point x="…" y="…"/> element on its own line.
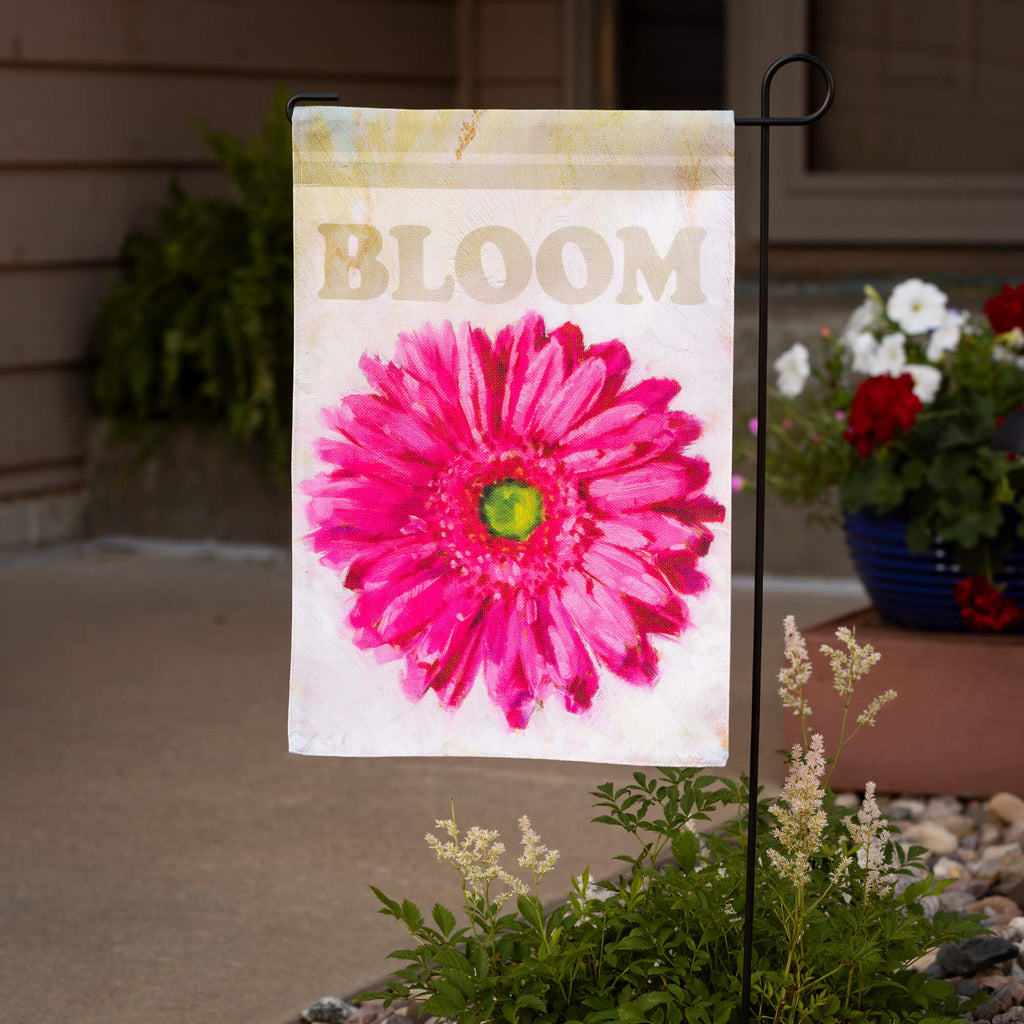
<point x="916" y="590"/>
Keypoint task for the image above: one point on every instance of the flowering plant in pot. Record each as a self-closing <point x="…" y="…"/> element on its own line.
<point x="894" y="417"/>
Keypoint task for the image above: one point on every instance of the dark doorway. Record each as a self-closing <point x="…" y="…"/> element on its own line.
<point x="670" y="54"/>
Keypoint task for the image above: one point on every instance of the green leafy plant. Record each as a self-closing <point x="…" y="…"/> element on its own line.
<point x="199" y="329"/>
<point x="896" y="414"/>
<point x="838" y="918"/>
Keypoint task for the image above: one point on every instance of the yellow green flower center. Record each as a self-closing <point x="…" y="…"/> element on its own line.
<point x="512" y="509"/>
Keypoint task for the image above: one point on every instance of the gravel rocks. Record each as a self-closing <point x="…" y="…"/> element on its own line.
<point x="931" y="836"/>
<point x="332" y="1010"/>
<point x="1007" y="997"/>
<point x="329" y="1010"/>
<point x="979" y="847"/>
<point x="1007" y="806"/>
<point x="968" y="958"/>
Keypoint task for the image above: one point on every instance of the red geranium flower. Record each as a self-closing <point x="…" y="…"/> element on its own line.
<point x="983" y="607"/>
<point x="881" y="408"/>
<point x="1006" y="310"/>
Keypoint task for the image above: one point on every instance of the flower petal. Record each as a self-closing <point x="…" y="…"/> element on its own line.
<point x="511" y="666"/>
<point x="577" y="395"/>
<point x="617" y="363"/>
<point x="408" y="394"/>
<point x="607" y="624"/>
<point x="431" y="354"/>
<point x="479" y="404"/>
<point x="516" y="348"/>
<point x="384" y="565"/>
<point x="653" y="394"/>
<point x="680" y="569"/>
<point x="374" y="423"/>
<point x="633" y="445"/>
<point x="560" y="643"/>
<point x="543" y="376"/>
<point x="656" y="482"/>
<point x="570" y="337"/>
<point x="448" y="654"/>
<point x="626" y="573"/>
<point x="392" y="614"/>
<point x="356" y="460"/>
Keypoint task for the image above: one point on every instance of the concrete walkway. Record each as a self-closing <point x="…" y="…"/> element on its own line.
<point x="165" y="860"/>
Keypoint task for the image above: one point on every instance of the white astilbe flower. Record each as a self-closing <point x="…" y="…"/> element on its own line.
<point x="916" y="306"/>
<point x="477" y="858"/>
<point x="867" y="830"/>
<point x="891" y="356"/>
<point x="927" y="381"/>
<point x="861" y="319"/>
<point x="852" y="664"/>
<point x="868" y="715"/>
<point x="795" y="675"/>
<point x="535" y="856"/>
<point x="793" y="368"/>
<point x="946" y="336"/>
<point x="801" y="815"/>
<point x="863" y="348"/>
<point x="838" y="875"/>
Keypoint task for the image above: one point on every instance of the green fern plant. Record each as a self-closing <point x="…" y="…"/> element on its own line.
<point x="199" y="328"/>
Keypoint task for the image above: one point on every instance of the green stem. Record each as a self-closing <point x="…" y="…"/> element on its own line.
<point x="843" y="738"/>
<point x="795" y="932"/>
<point x="468" y="905"/>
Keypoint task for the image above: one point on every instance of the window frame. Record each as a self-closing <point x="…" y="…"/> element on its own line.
<point x="817" y="207"/>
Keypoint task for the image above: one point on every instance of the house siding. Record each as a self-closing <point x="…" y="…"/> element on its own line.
<point x="103" y="101"/>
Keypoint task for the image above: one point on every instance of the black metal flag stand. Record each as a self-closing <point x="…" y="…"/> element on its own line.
<point x="765" y="122"/>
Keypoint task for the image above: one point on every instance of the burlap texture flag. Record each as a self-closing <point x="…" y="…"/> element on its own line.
<point x="512" y="434"/>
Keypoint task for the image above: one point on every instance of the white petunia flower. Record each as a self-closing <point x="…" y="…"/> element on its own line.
<point x="793" y="368"/>
<point x="860" y="320"/>
<point x="946" y="336"/>
<point x="1004" y="355"/>
<point x="927" y="380"/>
<point x="890" y="357"/>
<point x="1013" y="339"/>
<point x="863" y="347"/>
<point x="916" y="306"/>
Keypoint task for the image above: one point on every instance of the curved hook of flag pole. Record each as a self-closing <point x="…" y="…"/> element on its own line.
<point x="765" y="121"/>
<point x="309" y="97"/>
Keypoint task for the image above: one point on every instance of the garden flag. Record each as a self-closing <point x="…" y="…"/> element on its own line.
<point x="512" y="434"/>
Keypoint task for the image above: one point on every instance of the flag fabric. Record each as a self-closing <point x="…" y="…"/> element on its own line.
<point x="512" y="434"/>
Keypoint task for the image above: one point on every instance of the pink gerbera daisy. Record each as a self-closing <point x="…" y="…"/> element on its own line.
<point x="505" y="509"/>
